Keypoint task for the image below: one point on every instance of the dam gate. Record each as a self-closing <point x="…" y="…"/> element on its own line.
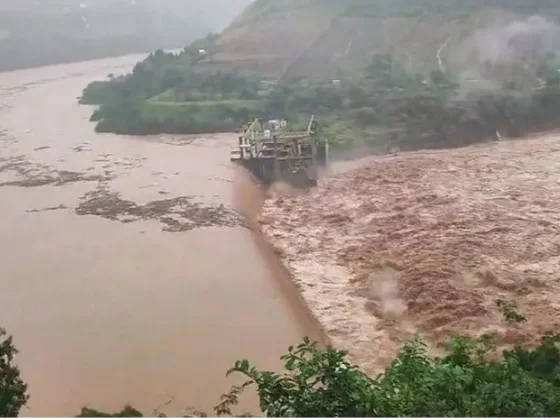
<point x="276" y="154"/>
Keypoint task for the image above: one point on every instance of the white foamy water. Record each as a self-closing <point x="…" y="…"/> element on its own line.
<point x="424" y="243"/>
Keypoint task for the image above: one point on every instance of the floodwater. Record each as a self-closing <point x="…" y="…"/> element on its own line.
<point x="127" y="274"/>
<point x="424" y="243"/>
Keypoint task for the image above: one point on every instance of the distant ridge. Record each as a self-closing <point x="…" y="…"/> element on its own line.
<point x="323" y="38"/>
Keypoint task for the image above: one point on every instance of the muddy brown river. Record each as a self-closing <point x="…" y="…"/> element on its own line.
<point x="128" y="272"/>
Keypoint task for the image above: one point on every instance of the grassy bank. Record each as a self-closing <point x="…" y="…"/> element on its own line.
<point x="153" y="117"/>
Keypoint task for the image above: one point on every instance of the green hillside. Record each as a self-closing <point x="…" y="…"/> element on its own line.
<point x="377" y="73"/>
<point x="297" y="38"/>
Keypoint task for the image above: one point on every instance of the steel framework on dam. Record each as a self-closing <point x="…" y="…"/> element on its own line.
<point x="273" y="154"/>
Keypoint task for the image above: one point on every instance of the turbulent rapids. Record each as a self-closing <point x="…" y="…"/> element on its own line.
<point x="424" y="243"/>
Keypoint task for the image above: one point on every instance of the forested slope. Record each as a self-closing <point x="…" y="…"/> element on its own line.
<point x="326" y="37"/>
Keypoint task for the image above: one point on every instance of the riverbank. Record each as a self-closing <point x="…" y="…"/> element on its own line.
<point x="424" y="243"/>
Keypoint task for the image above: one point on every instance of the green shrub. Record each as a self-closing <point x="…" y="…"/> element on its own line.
<point x="13" y="391"/>
<point x="468" y="381"/>
<point x="465" y="383"/>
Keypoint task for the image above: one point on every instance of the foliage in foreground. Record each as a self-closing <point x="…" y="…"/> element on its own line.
<point x="469" y="381"/>
<point x="128" y="411"/>
<point x="13" y="391"/>
<point x="464" y="383"/>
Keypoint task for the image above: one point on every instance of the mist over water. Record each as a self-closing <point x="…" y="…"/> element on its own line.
<point x="505" y="50"/>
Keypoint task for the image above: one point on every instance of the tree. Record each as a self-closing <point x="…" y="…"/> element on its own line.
<point x="467" y="382"/>
<point x="387" y="73"/>
<point x="365" y="115"/>
<point x="13" y="391"/>
<point x="338" y="133"/>
<point x="358" y="97"/>
<point x="317" y="383"/>
<point x="127" y="411"/>
<point x="438" y="78"/>
<point x="381" y="65"/>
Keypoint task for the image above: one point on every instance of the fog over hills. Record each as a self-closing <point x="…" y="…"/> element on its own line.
<point x="298" y="38"/>
<point x="38" y="32"/>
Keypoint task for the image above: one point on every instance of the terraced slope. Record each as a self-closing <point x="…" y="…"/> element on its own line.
<point x="294" y="38"/>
